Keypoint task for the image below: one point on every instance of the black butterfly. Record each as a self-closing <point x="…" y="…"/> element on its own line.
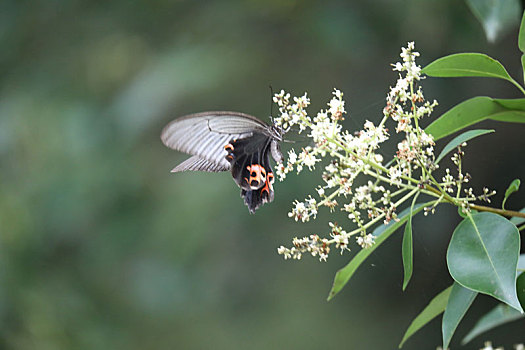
<point x="221" y="141"/>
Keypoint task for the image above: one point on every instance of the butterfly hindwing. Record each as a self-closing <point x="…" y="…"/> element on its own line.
<point x="196" y="163"/>
<point x="251" y="170"/>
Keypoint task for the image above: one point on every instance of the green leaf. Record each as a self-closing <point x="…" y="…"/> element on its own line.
<point x="407" y="248"/>
<point x="381" y="233"/>
<point x="520" y="287"/>
<point x="514" y="110"/>
<point x="434" y="308"/>
<point x="523" y="66"/>
<point x="509" y="116"/>
<point x="517" y="104"/>
<point x="467" y="65"/>
<point x="458" y="140"/>
<point x="459" y="302"/>
<point x="483" y="255"/>
<point x="521" y="37"/>
<point x="502" y="313"/>
<point x="499" y="315"/>
<point x="475" y="110"/>
<point x="513" y="187"/>
<point x="407" y="253"/>
<point x="517" y="220"/>
<point x="495" y="16"/>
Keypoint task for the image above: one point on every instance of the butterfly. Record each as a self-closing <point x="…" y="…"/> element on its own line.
<point x="229" y="141"/>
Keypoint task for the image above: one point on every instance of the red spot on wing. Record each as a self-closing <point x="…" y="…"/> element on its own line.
<point x="257" y="176"/>
<point x="268" y="186"/>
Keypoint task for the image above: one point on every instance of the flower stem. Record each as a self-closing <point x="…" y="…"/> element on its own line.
<point x="502" y="212"/>
<point x="497" y="211"/>
<point x="376" y="219"/>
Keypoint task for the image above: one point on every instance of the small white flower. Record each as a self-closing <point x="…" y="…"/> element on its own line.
<point x="284" y="251"/>
<point x="336" y="106"/>
<point x="398" y="66"/>
<point x="308" y="159"/>
<point x="395" y="175"/>
<point x="366" y="241"/>
<point x="292" y="156"/>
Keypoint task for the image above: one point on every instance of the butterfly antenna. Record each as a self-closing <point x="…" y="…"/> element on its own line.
<point x="271" y="101"/>
<point x="301" y="137"/>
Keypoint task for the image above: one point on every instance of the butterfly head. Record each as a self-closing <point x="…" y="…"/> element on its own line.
<point x="276" y="130"/>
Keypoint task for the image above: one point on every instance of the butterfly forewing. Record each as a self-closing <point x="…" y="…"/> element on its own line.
<point x="205" y="134"/>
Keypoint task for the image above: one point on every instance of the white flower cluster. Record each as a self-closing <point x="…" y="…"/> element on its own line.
<point x="290" y="114"/>
<point x="407" y="107"/>
<point x="304" y="210"/>
<point x="366" y="241"/>
<point x="349" y="156"/>
<point x="313" y="244"/>
<point x="320" y="247"/>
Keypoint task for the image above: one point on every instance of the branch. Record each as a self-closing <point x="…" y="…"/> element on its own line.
<point x="479" y="207"/>
<point x="497" y="211"/>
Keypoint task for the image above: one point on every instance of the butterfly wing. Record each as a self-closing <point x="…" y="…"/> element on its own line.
<point x="204" y="136"/>
<point x="220" y="141"/>
<point x="250" y="166"/>
<point x="196" y="163"/>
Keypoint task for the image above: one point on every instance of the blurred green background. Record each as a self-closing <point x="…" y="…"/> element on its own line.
<point x="102" y="248"/>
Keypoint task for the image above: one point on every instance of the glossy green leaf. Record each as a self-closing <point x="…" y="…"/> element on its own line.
<point x="473" y="111"/>
<point x="520" y="288"/>
<point x="466" y="65"/>
<point x="502" y="313"/>
<point x="458" y="140"/>
<point x="499" y="315"/>
<point x="381" y="233"/>
<point x="509" y="116"/>
<point x="517" y="104"/>
<point x="433" y="309"/>
<point x="407" y="253"/>
<point x="523" y="66"/>
<point x="459" y="302"/>
<point x="514" y="110"/>
<point x="513" y="187"/>
<point x="495" y="16"/>
<point x="407" y="248"/>
<point x="483" y="256"/>
<point x="521" y="36"/>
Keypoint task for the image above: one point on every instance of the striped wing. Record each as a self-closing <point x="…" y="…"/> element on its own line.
<point x="196" y="163"/>
<point x="204" y="136"/>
